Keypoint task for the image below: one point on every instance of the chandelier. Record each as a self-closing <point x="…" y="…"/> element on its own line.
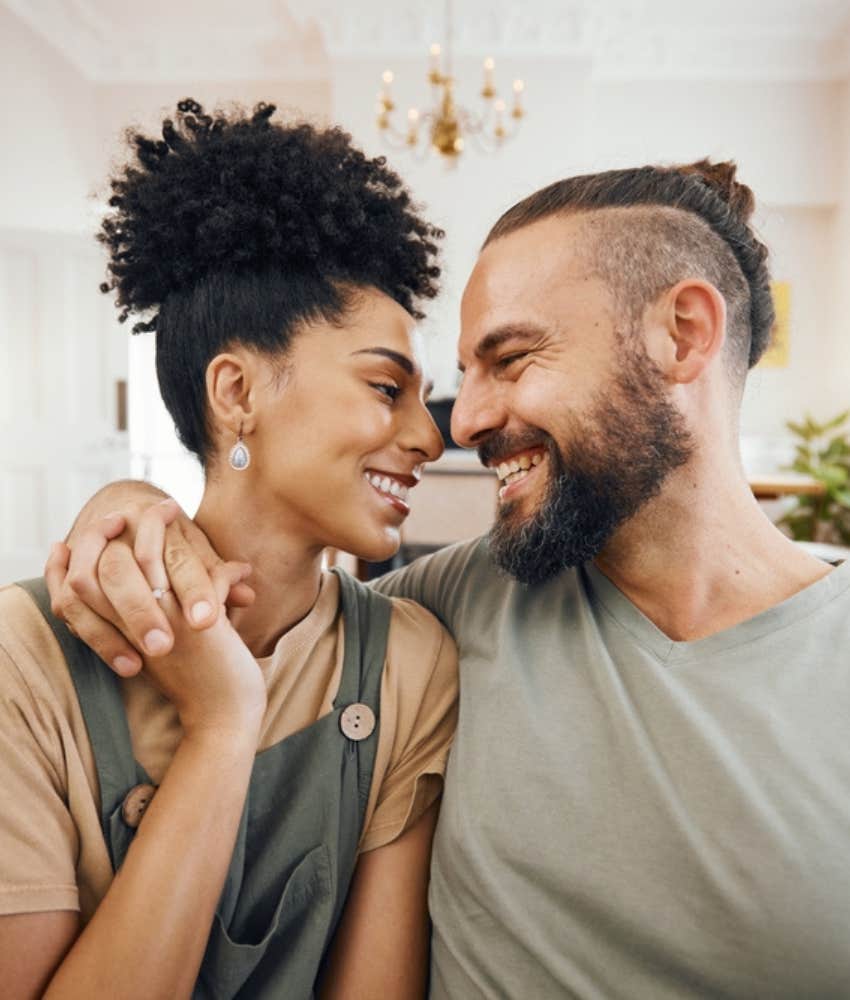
<point x="446" y="125"/>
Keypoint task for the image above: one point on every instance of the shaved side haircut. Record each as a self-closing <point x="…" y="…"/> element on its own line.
<point x="650" y="227"/>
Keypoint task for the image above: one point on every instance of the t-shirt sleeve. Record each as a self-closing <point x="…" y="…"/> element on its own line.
<point x="38" y="838"/>
<point x="437" y="581"/>
<point x="419" y="699"/>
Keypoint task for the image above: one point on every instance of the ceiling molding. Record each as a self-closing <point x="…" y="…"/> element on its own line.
<point x="263" y="43"/>
<point x="274" y="39"/>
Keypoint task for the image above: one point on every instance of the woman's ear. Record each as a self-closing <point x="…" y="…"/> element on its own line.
<point x="687" y="330"/>
<point x="230" y="381"/>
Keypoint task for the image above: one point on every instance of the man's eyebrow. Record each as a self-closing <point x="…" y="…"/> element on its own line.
<point x="511" y="331"/>
<point x="402" y="360"/>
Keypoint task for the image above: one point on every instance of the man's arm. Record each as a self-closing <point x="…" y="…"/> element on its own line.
<point x="129" y="538"/>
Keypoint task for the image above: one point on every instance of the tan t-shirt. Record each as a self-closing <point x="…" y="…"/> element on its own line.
<point x="52" y="852"/>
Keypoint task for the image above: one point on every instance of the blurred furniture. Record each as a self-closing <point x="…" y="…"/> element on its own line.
<point x="456" y="499"/>
<point x="772" y="487"/>
<point x="825" y="551"/>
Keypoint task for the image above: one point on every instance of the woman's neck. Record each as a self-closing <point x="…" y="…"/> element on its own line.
<point x="286" y="569"/>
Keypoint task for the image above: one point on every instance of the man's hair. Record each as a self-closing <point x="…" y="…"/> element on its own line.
<point x="650" y="227"/>
<point x="231" y="228"/>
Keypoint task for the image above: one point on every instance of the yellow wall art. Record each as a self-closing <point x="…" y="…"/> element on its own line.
<point x="776" y="356"/>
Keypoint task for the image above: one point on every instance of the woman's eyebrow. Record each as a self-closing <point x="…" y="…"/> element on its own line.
<point x="401" y="360"/>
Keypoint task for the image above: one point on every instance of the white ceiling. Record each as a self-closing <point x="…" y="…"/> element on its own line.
<point x="174" y="40"/>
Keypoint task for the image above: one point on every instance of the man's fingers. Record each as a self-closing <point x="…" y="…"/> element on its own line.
<point x="109" y="644"/>
<point x="150" y="541"/>
<point x="126" y="588"/>
<point x="200" y="543"/>
<point x="82" y="568"/>
<point x="55" y="571"/>
<point x="190" y="579"/>
<point x="229" y="575"/>
<point x="242" y="595"/>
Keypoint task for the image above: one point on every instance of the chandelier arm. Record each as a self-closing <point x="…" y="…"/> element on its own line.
<point x="393" y="137"/>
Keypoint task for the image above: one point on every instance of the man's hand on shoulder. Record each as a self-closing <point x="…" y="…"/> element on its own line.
<point x="129" y="540"/>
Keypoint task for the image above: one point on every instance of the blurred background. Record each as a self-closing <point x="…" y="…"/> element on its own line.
<point x="602" y="84"/>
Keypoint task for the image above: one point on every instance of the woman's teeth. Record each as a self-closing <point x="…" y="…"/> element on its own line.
<point x="383" y="484"/>
<point x="516" y="468"/>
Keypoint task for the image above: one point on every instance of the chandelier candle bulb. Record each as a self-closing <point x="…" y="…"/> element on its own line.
<point x="519" y="86"/>
<point x="385" y="95"/>
<point x="413" y="127"/>
<point x="435" y="75"/>
<point x="488" y="91"/>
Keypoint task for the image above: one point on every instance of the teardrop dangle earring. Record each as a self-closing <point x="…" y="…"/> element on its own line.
<point x="239" y="457"/>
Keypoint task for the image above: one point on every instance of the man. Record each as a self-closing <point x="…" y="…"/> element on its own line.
<point x="649" y="791"/>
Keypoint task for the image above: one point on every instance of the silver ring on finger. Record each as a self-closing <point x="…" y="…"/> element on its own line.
<point x="159" y="592"/>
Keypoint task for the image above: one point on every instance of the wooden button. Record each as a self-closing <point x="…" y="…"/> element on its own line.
<point x="357" y="721"/>
<point x="135" y="803"/>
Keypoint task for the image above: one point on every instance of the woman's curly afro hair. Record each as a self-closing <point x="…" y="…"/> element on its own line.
<point x="234" y="228"/>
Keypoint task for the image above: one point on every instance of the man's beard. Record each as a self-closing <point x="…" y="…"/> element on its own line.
<point x="613" y="462"/>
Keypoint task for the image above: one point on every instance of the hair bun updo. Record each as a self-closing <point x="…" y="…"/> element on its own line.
<point x="236" y="192"/>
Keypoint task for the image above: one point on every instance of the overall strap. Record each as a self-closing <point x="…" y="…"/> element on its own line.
<point x="99" y="694"/>
<point x="367" y="621"/>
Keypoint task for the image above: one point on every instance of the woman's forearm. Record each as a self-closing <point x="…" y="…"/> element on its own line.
<point x="148" y="935"/>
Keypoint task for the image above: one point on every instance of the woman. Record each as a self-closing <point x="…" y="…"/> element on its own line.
<point x="266" y="791"/>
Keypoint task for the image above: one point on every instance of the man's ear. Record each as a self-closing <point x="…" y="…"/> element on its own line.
<point x="687" y="329"/>
<point x="230" y="379"/>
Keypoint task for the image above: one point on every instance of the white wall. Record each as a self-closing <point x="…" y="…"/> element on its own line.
<point x="834" y="349"/>
<point x="50" y="155"/>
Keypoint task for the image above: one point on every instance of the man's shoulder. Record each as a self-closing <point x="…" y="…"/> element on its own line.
<point x="461" y="558"/>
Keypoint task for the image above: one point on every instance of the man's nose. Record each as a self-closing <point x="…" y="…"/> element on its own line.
<point x="478" y="411"/>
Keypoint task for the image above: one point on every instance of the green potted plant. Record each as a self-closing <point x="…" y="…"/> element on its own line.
<point x="822" y="453"/>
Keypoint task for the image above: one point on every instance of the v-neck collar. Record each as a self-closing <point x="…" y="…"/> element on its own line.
<point x="788" y="612"/>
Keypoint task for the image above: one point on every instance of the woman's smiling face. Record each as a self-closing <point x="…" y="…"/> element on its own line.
<point x="342" y="432"/>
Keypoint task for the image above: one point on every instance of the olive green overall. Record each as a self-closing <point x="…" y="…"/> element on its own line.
<point x="296" y="847"/>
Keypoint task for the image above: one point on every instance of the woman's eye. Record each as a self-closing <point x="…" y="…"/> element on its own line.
<point x="387" y="389"/>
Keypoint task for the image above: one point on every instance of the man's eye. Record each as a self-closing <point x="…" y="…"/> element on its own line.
<point x="509" y="359"/>
<point x="387" y="389"/>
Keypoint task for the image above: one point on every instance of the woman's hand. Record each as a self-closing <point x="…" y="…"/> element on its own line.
<point x="210" y="676"/>
<point x="101" y="582"/>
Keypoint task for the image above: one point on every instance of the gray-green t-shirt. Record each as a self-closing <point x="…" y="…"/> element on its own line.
<point x="630" y="817"/>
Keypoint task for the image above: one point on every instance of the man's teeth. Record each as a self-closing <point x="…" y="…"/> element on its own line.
<point x="386" y="485"/>
<point x="516" y="468"/>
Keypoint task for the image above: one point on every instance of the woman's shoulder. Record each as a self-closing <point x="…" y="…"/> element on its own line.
<point x="24" y="633"/>
<point x="420" y="651"/>
<point x="30" y="658"/>
<point x="418" y="711"/>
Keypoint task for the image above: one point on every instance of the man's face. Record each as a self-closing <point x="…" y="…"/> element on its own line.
<point x="560" y="397"/>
